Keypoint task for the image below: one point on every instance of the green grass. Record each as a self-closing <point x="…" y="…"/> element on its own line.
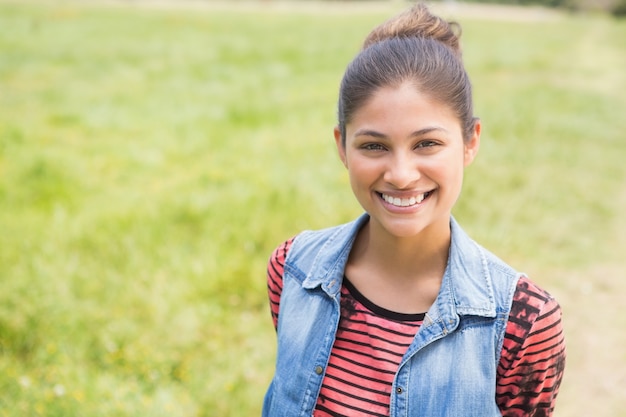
<point x="150" y="160"/>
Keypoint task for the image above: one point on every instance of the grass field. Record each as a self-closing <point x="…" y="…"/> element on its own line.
<point x="152" y="158"/>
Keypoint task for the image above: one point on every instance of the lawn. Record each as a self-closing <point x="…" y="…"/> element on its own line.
<point x="151" y="158"/>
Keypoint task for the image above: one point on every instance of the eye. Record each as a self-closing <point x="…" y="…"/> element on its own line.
<point x="373" y="147"/>
<point x="426" y="144"/>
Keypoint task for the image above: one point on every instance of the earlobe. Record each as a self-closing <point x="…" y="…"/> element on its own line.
<point x="341" y="150"/>
<point x="472" y="146"/>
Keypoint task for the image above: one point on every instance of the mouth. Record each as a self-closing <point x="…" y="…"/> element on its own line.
<point x="405" y="201"/>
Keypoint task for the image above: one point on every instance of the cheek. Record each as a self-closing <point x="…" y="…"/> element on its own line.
<point x="359" y="165"/>
<point x="362" y="173"/>
<point x="358" y="175"/>
<point x="448" y="169"/>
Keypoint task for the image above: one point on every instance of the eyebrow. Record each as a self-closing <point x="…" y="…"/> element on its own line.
<point x="379" y="135"/>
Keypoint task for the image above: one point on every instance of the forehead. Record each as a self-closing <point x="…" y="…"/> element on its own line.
<point x="397" y="108"/>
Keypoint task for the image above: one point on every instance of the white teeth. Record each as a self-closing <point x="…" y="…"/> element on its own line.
<point x="403" y="202"/>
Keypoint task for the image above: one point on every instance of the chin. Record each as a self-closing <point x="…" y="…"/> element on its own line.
<point x="404" y="229"/>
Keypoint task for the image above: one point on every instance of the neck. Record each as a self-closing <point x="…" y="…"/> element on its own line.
<point x="405" y="258"/>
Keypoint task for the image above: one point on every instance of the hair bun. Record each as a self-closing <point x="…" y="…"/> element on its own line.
<point x="417" y="21"/>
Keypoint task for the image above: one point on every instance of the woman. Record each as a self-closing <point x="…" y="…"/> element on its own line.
<point x="400" y="313"/>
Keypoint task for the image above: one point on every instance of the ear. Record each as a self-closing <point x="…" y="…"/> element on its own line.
<point x="341" y="149"/>
<point x="471" y="146"/>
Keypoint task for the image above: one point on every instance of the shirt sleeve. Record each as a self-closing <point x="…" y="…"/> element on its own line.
<point x="275" y="269"/>
<point x="533" y="354"/>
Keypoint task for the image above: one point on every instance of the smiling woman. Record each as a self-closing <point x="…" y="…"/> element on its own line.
<point x="146" y="172"/>
<point x="399" y="312"/>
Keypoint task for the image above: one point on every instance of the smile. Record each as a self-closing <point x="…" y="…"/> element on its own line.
<point x="405" y="202"/>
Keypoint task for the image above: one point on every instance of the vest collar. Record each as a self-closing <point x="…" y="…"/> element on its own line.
<point x="467" y="281"/>
<point x="329" y="265"/>
<point x="466" y="288"/>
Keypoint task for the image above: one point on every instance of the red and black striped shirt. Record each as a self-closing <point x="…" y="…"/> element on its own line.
<point x="371" y="341"/>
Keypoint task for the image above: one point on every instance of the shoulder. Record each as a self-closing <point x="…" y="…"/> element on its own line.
<point x="474" y="255"/>
<point x="314" y="239"/>
<point x="322" y="249"/>
<point x="531" y="298"/>
<point x="481" y="272"/>
<point x="303" y="241"/>
<point x="307" y="242"/>
<point x="534" y="312"/>
<point x="534" y="329"/>
<point x="278" y="256"/>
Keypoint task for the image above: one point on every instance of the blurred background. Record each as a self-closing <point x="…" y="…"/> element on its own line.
<point x="154" y="153"/>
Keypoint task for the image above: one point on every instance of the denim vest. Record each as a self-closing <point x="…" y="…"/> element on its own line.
<point x="449" y="369"/>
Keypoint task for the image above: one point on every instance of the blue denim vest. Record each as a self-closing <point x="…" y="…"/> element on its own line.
<point x="449" y="369"/>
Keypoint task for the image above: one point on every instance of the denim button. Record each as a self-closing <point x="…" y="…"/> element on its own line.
<point x="399" y="390"/>
<point x="319" y="370"/>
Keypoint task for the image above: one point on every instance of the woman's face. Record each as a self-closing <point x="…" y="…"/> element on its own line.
<point x="405" y="156"/>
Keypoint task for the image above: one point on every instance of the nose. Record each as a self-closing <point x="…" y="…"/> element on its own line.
<point x="402" y="170"/>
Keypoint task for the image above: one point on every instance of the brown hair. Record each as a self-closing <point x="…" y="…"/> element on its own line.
<point x="415" y="46"/>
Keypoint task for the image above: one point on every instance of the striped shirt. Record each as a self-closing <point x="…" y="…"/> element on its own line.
<point x="371" y="341"/>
